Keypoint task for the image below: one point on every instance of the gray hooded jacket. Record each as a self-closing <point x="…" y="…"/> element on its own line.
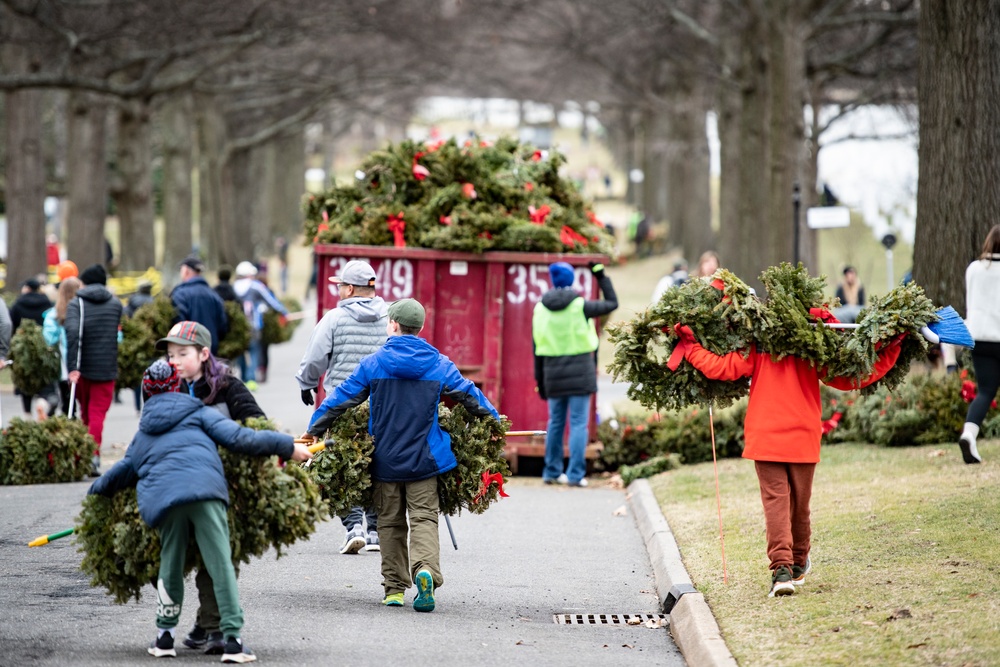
<point x="346" y="335"/>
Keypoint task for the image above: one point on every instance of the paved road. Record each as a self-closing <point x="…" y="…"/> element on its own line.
<point x="543" y="551"/>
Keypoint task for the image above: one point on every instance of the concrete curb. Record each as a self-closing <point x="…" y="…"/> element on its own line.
<point x="692" y="624"/>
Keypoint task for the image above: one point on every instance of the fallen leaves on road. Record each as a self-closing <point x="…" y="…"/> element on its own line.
<point x="621" y="511"/>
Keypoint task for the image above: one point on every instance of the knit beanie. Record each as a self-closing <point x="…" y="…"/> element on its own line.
<point x="160" y="378"/>
<point x="561" y="274"/>
<point x="94" y="275"/>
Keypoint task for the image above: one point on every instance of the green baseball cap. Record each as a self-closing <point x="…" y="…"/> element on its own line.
<point x="186" y="333"/>
<point x="408" y="312"/>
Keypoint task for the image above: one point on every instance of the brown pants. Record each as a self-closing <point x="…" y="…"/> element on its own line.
<point x="401" y="560"/>
<point x="785" y="490"/>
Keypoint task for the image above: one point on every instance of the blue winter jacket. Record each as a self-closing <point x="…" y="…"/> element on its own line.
<point x="196" y="301"/>
<point x="174" y="458"/>
<point x="406" y="379"/>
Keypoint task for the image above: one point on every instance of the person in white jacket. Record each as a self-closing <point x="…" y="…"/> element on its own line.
<point x="982" y="317"/>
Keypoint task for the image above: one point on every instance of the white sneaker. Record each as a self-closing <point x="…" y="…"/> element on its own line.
<point x="355" y="541"/>
<point x="582" y="482"/>
<point x="969" y="452"/>
<point x="562" y="479"/>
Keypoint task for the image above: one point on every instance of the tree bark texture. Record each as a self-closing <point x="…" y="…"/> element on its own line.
<point x="177" y="130"/>
<point x="290" y="184"/>
<point x="653" y="150"/>
<point x="958" y="194"/>
<point x="688" y="175"/>
<point x="25" y="189"/>
<point x="87" y="176"/>
<point x="134" y="200"/>
<point x="766" y="119"/>
<point x="211" y="138"/>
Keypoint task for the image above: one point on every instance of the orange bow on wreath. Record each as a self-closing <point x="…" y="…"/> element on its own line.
<point x="397" y="225"/>
<point x="488" y="480"/>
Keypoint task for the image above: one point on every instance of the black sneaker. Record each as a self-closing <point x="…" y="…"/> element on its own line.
<point x="163" y="647"/>
<point x="216" y="644"/>
<point x="781" y="582"/>
<point x="197" y="638"/>
<point x="236" y="652"/>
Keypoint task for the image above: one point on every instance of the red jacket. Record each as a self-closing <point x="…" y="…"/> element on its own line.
<point x="784" y="414"/>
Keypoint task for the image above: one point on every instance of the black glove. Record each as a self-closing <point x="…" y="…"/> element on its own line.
<point x="307" y="396"/>
<point x="541" y="393"/>
<point x="597" y="269"/>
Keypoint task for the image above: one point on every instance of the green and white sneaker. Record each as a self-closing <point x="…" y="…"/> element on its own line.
<point x="799" y="572"/>
<point x="425" y="592"/>
<point x="781" y="582"/>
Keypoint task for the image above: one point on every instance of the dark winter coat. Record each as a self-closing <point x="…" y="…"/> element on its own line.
<point x="233" y="399"/>
<point x="102" y="313"/>
<point x="173" y="459"/>
<point x="573" y="375"/>
<point x="406" y="379"/>
<point x="226" y="292"/>
<point x="29" y="306"/>
<point x="196" y="301"/>
<point x="137" y="301"/>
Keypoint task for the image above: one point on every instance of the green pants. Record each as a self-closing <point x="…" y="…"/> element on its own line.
<point x="211" y="532"/>
<point x="208" y="609"/>
<point x="401" y="562"/>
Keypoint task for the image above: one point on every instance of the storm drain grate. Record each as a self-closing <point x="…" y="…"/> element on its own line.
<point x="609" y="619"/>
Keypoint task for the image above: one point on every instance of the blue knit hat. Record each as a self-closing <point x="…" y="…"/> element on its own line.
<point x="561" y="274"/>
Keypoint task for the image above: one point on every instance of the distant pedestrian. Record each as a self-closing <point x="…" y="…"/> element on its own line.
<point x="281" y="247"/>
<point x="196" y="301"/>
<point x="92" y="320"/>
<point x="405" y="381"/>
<point x="344" y="336"/>
<point x="174" y="463"/>
<point x="224" y="288"/>
<point x="708" y="264"/>
<point x="31" y="305"/>
<point x="6" y="331"/>
<point x="54" y="332"/>
<point x="256" y="300"/>
<point x="143" y="295"/>
<point x="982" y="316"/>
<point x="52" y="257"/>
<point x="565" y="343"/>
<point x="675" y="278"/>
<point x="851" y="294"/>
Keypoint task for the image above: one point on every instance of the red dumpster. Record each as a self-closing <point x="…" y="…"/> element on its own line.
<point x="479" y="309"/>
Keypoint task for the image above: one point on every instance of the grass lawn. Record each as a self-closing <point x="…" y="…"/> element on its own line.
<point x="905" y="557"/>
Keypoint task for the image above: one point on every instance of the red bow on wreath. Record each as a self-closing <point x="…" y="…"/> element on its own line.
<point x="969" y="392"/>
<point x="538" y="215"/>
<point x="487" y="481"/>
<point x="420" y="172"/>
<point x="397" y="225"/>
<point x="832" y="422"/>
<point x="570" y="237"/>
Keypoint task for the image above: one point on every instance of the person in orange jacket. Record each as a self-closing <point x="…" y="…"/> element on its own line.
<point x="782" y="429"/>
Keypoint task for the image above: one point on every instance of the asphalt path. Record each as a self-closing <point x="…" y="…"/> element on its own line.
<point x="542" y="552"/>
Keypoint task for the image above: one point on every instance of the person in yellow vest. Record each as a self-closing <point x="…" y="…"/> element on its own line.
<point x="565" y="347"/>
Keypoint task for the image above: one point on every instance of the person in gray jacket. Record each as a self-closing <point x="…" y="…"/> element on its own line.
<point x="344" y="336"/>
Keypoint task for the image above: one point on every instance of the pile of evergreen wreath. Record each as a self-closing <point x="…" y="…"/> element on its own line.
<point x="473" y="197"/>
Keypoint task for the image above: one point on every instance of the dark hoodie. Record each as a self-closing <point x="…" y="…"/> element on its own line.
<point x="573" y="375"/>
<point x="173" y="459"/>
<point x="406" y="380"/>
<point x="102" y="313"/>
<point x="29" y="306"/>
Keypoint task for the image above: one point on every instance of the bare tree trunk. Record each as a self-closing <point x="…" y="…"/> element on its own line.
<point x="653" y="148"/>
<point x="88" y="178"/>
<point x="242" y="220"/>
<point x="211" y="138"/>
<point x="688" y="174"/>
<point x="768" y="65"/>
<point x="958" y="195"/>
<point x="25" y="189"/>
<point x="290" y="168"/>
<point x="134" y="198"/>
<point x="178" y="137"/>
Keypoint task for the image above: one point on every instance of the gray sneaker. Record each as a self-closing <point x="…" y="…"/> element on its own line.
<point x="355" y="541"/>
<point x="372" y="542"/>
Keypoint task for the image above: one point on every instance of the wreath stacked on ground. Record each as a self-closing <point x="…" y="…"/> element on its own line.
<point x="54" y="450"/>
<point x="726" y="317"/>
<point x="37" y="365"/>
<point x="269" y="507"/>
<point x="473" y="197"/>
<point x="341" y="470"/>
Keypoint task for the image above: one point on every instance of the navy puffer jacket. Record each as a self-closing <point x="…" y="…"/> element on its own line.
<point x="173" y="459"/>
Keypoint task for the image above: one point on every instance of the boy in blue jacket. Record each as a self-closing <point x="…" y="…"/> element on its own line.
<point x="406" y="379"/>
<point x="174" y="463"/>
